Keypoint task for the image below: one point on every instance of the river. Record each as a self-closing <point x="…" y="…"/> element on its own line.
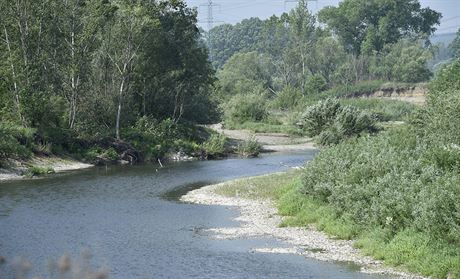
<point x="130" y="220"/>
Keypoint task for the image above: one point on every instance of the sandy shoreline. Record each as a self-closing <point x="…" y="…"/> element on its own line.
<point x="57" y="164"/>
<point x="271" y="142"/>
<point x="259" y="218"/>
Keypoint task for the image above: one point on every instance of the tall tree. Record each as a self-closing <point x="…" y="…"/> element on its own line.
<point x="368" y="25"/>
<point x="302" y="25"/>
<point x="455" y="45"/>
<point x="129" y="31"/>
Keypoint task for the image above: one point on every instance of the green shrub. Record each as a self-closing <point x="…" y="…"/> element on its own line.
<point x="363" y="88"/>
<point x="215" y="146"/>
<point x="98" y="153"/>
<point x="242" y="108"/>
<point x="249" y="148"/>
<point x="332" y="123"/>
<point x="387" y="180"/>
<point x="153" y="138"/>
<point x="447" y="79"/>
<point x="15" y="140"/>
<point x="315" y="84"/>
<point x="288" y="98"/>
<point x="382" y="109"/>
<point x="38" y="171"/>
<point x="399" y="189"/>
<point x="319" y="117"/>
<point x="260" y="127"/>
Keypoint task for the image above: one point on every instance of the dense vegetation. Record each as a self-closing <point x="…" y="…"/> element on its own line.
<point x="77" y="76"/>
<point x="397" y="191"/>
<point x="288" y="62"/>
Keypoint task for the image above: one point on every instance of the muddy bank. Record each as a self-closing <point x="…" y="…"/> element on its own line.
<point x="259" y="218"/>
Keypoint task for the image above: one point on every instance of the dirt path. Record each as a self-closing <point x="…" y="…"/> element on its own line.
<point x="271" y="142"/>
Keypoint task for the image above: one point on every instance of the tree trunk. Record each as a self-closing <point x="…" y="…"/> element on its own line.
<point x="13" y="72"/>
<point x="120" y="99"/>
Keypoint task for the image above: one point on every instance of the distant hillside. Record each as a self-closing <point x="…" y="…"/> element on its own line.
<point x="445" y="39"/>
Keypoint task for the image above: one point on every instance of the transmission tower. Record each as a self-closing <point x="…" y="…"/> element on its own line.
<point x="295" y="1"/>
<point x="210" y="19"/>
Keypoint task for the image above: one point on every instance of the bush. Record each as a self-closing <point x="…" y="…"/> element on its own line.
<point x="315" y="84"/>
<point x="288" y="98"/>
<point x="242" y="108"/>
<point x="331" y="123"/>
<point x="363" y="88"/>
<point x="383" y="110"/>
<point x="215" y="146"/>
<point x="100" y="155"/>
<point x="319" y="117"/>
<point x="15" y="140"/>
<point x="399" y="189"/>
<point x="152" y="138"/>
<point x="249" y="148"/>
<point x="38" y="171"/>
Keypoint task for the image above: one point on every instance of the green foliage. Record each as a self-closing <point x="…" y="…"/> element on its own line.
<point x="242" y="108"/>
<point x="216" y="146"/>
<point x="259" y="187"/>
<point x="414" y="250"/>
<point x="366" y="26"/>
<point x="383" y="110"/>
<point x="315" y="84"/>
<point x="455" y="45"/>
<point x="153" y="138"/>
<point x="354" y="90"/>
<point x="288" y="98"/>
<point x="79" y="73"/>
<point x="391" y="182"/>
<point x="400" y="188"/>
<point x="319" y="117"/>
<point x="447" y="80"/>
<point x="262" y="127"/>
<point x="249" y="148"/>
<point x="245" y="73"/>
<point x="38" y="171"/>
<point x="103" y="155"/>
<point x="403" y="61"/>
<point x="15" y="140"/>
<point x="331" y="122"/>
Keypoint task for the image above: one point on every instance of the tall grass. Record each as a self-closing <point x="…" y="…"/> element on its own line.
<point x="384" y="110"/>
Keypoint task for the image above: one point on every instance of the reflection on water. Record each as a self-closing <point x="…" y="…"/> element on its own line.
<point x="123" y="215"/>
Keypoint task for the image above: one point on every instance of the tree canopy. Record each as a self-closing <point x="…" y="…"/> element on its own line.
<point x="96" y="66"/>
<point x="366" y="26"/>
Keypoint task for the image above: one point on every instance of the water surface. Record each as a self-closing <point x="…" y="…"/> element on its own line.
<point x="128" y="219"/>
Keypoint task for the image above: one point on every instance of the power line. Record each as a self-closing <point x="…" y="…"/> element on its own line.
<point x="210" y="20"/>
<point x="296" y="1"/>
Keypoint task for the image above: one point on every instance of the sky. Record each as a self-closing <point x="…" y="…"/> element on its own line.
<point x="233" y="11"/>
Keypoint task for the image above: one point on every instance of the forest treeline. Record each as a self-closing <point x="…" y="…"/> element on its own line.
<point x="289" y="62"/>
<point x="73" y="73"/>
<point x="94" y="78"/>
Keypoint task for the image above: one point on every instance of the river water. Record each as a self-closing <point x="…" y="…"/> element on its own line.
<point x="129" y="220"/>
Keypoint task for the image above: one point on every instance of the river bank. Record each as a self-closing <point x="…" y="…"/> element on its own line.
<point x="271" y="142"/>
<point x="21" y="169"/>
<point x="259" y="217"/>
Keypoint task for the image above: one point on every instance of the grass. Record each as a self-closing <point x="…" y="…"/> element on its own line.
<point x="38" y="171"/>
<point x="409" y="249"/>
<point x="261" y="127"/>
<point x="385" y="110"/>
<point x="261" y="187"/>
<point x="249" y="148"/>
<point x="364" y="88"/>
